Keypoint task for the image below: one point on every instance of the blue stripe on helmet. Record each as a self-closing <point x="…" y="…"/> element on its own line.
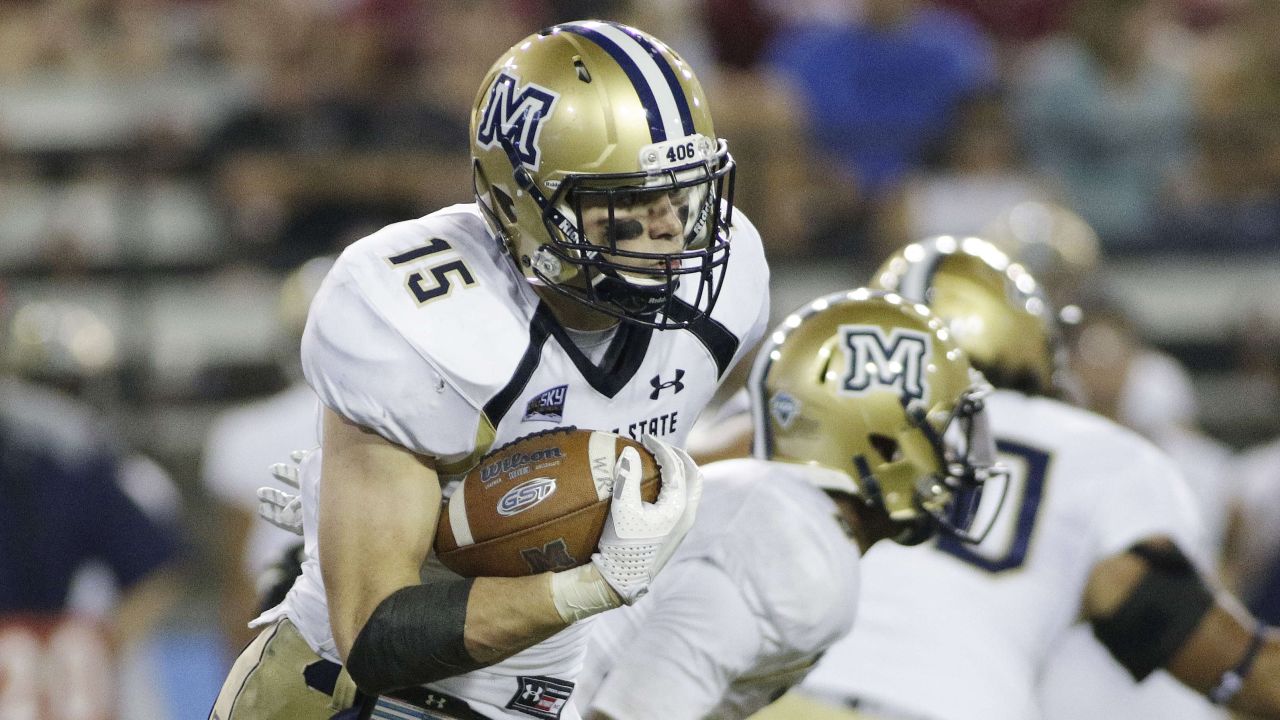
<point x="686" y="116"/>
<point x="651" y="110"/>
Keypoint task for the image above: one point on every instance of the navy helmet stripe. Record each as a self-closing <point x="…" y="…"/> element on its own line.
<point x="657" y="131"/>
<point x="682" y="102"/>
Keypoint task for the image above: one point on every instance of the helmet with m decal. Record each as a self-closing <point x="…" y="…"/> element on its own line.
<point x="872" y="388"/>
<point x="596" y="164"/>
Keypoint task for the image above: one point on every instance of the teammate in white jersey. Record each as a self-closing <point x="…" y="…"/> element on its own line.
<point x="853" y="396"/>
<point x="1091" y="530"/>
<point x="590" y="284"/>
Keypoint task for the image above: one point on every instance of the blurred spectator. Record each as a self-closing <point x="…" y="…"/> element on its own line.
<point x="242" y="444"/>
<point x="879" y="91"/>
<point x="1015" y="20"/>
<point x="358" y="122"/>
<point x="1230" y="196"/>
<point x="87" y="536"/>
<point x="876" y="92"/>
<point x="1098" y="113"/>
<point x="977" y="171"/>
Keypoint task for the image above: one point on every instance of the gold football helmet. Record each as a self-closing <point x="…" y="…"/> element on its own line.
<point x="601" y="120"/>
<point x="870" y="387"/>
<point x="1055" y="244"/>
<point x="994" y="308"/>
<point x="59" y="342"/>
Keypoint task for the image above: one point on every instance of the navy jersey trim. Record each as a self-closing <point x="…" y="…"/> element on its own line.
<point x="719" y="341"/>
<point x="539" y="331"/>
<point x="621" y="359"/>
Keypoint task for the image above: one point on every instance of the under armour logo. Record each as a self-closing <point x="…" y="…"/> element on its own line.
<point x="659" y="386"/>
<point x="531" y="693"/>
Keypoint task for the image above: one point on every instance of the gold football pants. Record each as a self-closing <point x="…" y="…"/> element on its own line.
<point x="279" y="676"/>
<point x="795" y="706"/>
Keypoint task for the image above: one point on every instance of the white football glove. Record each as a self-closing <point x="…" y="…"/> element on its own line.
<point x="639" y="537"/>
<point x="278" y="507"/>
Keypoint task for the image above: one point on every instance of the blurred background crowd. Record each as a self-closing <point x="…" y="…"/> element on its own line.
<point x="170" y="171"/>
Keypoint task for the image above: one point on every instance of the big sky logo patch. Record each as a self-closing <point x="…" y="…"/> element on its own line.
<point x="513" y="116"/>
<point x="547" y="406"/>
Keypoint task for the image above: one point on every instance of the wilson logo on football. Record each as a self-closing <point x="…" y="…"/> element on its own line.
<point x="526" y="495"/>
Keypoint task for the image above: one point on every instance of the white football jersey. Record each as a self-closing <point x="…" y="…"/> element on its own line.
<point x="947" y="631"/>
<point x="765" y="581"/>
<point x="242" y="443"/>
<point x="1081" y="678"/>
<point x="426" y="333"/>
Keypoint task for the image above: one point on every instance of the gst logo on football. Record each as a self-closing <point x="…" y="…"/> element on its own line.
<point x="513" y="117"/>
<point x="880" y="361"/>
<point x="526" y="495"/>
<point x="495" y="472"/>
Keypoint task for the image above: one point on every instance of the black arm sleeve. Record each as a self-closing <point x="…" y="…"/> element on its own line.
<point x="1163" y="610"/>
<point x="414" y="636"/>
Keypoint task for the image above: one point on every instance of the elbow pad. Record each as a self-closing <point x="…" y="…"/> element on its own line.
<point x="1161" y="612"/>
<point x="414" y="636"/>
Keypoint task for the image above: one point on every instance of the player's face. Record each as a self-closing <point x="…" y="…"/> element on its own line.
<point x="650" y="222"/>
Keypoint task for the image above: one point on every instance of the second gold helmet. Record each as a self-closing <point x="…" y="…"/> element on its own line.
<point x="994" y="308"/>
<point x="870" y="388"/>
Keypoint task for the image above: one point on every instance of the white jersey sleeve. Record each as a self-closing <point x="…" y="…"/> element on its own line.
<point x="763" y="584"/>
<point x="1153" y="500"/>
<point x="367" y="372"/>
<point x="699" y="601"/>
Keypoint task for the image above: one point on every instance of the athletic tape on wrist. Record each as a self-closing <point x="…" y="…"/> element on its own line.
<point x="582" y="592"/>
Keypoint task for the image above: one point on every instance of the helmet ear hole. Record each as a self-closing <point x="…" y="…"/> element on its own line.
<point x="504" y="202"/>
<point x="886" y="446"/>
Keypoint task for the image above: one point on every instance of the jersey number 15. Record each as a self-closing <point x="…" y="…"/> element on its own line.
<point x="416" y="282"/>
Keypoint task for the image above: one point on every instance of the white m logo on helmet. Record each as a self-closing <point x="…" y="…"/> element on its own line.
<point x="876" y="361"/>
<point x="514" y="114"/>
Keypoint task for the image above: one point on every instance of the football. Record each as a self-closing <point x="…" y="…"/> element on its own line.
<point x="537" y="503"/>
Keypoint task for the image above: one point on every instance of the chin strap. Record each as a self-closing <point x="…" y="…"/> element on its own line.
<point x="631" y="299"/>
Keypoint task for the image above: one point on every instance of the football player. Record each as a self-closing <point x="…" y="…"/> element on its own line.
<point x="246" y="438"/>
<point x="1120" y="377"/>
<point x="852" y="398"/>
<point x="1092" y="530"/>
<point x="589" y="284"/>
<point x="89" y="547"/>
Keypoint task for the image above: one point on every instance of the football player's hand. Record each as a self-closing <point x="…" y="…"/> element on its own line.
<point x="639" y="537"/>
<point x="280" y="508"/>
<point x="287" y="473"/>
